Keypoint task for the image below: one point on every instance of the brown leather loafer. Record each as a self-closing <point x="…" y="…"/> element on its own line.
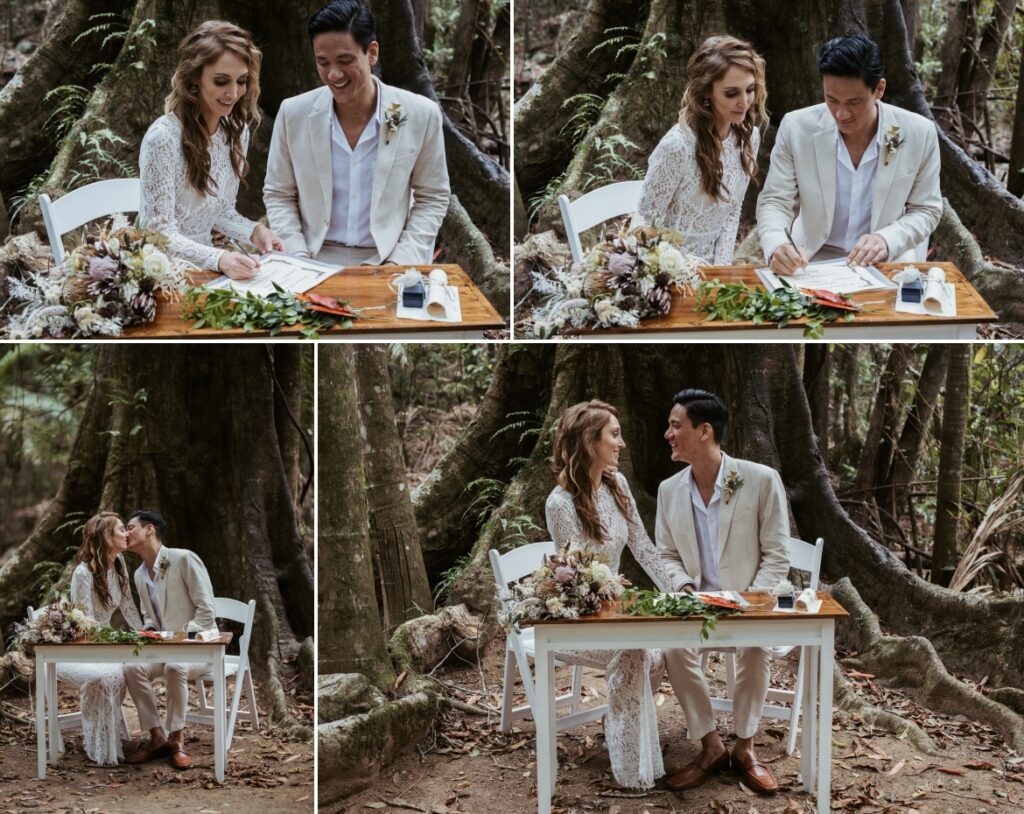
<point x="149" y="752"/>
<point x="180" y="758"/>
<point x="695" y="773"/>
<point x="754" y="774"/>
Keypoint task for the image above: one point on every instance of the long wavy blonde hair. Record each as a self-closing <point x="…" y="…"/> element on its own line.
<point x="94" y="553"/>
<point x="707" y="65"/>
<point x="579" y="430"/>
<point x="200" y="48"/>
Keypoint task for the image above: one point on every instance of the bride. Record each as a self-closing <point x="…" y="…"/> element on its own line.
<point x="699" y="172"/>
<point x="99" y="585"/>
<point x="193" y="156"/>
<point x="592" y="509"/>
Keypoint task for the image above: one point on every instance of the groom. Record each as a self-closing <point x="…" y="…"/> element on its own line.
<point x="356" y="172"/>
<point x="722" y="524"/>
<point x="175" y="591"/>
<point x="860" y="176"/>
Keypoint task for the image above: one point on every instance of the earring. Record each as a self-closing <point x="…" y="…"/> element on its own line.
<point x="706" y="103"/>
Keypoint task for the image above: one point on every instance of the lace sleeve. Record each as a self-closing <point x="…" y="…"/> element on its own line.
<point x="229" y="221"/>
<point x="161" y="164"/>
<point x="669" y="165"/>
<point x="128" y="609"/>
<point x="563" y="522"/>
<point x="640" y="544"/>
<point x="82" y="590"/>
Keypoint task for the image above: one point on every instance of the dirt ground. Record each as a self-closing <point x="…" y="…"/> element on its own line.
<point x="265" y="772"/>
<point x="469" y="766"/>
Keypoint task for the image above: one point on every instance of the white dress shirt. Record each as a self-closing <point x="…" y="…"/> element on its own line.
<point x="855" y="193"/>
<point x="154" y="593"/>
<point x="705" y="524"/>
<point x="352" y="181"/>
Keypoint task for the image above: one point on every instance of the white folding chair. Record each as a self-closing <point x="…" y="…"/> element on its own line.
<point x="519" y="648"/>
<point x="237" y="666"/>
<point x="804" y="557"/>
<point x="73" y="720"/>
<point x="596" y="207"/>
<point x="85" y="204"/>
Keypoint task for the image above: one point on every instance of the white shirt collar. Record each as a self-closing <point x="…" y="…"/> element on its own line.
<point x="372" y="129"/>
<point x="719" y="483"/>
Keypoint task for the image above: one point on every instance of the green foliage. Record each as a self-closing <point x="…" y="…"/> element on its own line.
<point x="449" y="578"/>
<point x="97" y="161"/>
<point x="69" y="101"/>
<point x="737" y="302"/>
<point x="440" y="375"/>
<point x="226" y="308"/>
<point x="110" y="635"/>
<point x="638" y="602"/>
<point x="608" y="162"/>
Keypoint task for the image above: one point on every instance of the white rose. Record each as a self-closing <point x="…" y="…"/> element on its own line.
<point x="156" y="263"/>
<point x="671" y="259"/>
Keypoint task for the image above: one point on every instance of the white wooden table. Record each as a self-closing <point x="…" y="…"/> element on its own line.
<point x="48" y="656"/>
<point x="610" y="629"/>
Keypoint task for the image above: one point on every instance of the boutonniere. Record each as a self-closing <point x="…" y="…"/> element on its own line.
<point x="893" y="141"/>
<point x="732" y="482"/>
<point x="393" y="119"/>
<point x="163" y="565"/>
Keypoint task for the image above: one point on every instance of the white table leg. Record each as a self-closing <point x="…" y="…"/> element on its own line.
<point x="825" y="731"/>
<point x="809" y="715"/>
<point x="219" y="715"/>
<point x="544" y="718"/>
<point x="814" y="719"/>
<point x="51" y="695"/>
<point x="40" y="718"/>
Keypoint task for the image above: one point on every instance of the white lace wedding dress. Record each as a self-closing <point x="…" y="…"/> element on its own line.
<point x="174" y="207"/>
<point x="100" y="686"/>
<point x="632" y="676"/>
<point x="672" y="195"/>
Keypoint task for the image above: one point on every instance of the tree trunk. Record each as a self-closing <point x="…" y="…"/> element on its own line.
<point x="456" y="88"/>
<point x="350" y="638"/>
<point x="952" y="47"/>
<point x="915" y="429"/>
<point x="1015" y="172"/>
<point x="974" y="96"/>
<point x="955" y="409"/>
<point x="817" y="370"/>
<point x="395" y="543"/>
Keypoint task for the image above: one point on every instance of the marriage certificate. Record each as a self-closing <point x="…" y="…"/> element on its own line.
<point x="835" y="277"/>
<point x="294" y="274"/>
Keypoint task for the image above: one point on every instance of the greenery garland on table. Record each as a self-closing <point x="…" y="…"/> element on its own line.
<point x="110" y="635"/>
<point x="226" y="308"/>
<point x="638" y="602"/>
<point x="737" y="302"/>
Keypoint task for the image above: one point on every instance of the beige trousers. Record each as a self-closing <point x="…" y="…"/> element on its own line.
<point x="139" y="678"/>
<point x="345" y="255"/>
<point x="691" y="688"/>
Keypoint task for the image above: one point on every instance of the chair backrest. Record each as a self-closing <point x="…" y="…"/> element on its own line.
<point x="518" y="562"/>
<point x="85" y="204"/>
<point x="227" y="608"/>
<point x="596" y="207"/>
<point x="806" y="557"/>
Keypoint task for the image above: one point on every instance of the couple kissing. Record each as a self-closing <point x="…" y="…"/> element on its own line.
<point x="722" y="524"/>
<point x="176" y="594"/>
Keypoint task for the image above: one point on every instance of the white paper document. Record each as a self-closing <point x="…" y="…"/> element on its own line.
<point x="835" y="277"/>
<point x="294" y="274"/>
<point x="442" y="305"/>
<point x="937" y="300"/>
<point x="734" y="596"/>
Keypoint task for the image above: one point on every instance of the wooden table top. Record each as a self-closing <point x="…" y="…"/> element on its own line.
<point x="612" y="612"/>
<point x="360" y="286"/>
<point x="683" y="317"/>
<point x="178" y="638"/>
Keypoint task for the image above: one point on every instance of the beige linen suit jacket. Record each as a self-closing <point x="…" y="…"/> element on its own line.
<point x="186" y="594"/>
<point x="410" y="181"/>
<point x="752" y="529"/>
<point x="800" y="190"/>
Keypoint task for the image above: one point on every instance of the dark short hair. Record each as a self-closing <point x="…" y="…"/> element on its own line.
<point x="352" y="16"/>
<point x="704" y="407"/>
<point x="148" y="518"/>
<point x="856" y="55"/>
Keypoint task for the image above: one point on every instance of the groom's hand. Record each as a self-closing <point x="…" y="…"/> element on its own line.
<point x="869" y="249"/>
<point x="786" y="260"/>
<point x="265" y="240"/>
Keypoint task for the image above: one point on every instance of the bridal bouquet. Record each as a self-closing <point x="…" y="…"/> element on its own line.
<point x="108" y="283"/>
<point x="568" y="585"/>
<point x="60" y="621"/>
<point x="625" y="278"/>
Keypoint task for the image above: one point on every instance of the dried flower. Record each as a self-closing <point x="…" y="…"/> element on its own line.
<point x="894" y="139"/>
<point x="731" y="484"/>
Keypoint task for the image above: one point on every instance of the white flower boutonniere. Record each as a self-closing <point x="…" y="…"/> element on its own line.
<point x="393" y="119"/>
<point x="894" y="139"/>
<point x="732" y="482"/>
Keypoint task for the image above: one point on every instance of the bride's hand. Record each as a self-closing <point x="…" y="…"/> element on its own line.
<point x="265" y="240"/>
<point x="237" y="266"/>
